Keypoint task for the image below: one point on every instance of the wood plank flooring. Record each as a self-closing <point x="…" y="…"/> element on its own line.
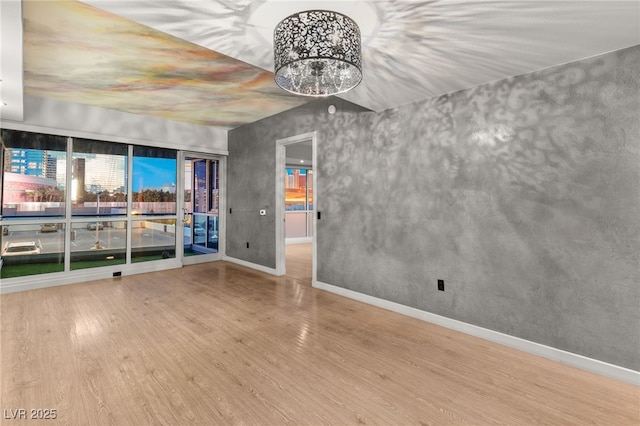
<point x="221" y="344"/>
<point x="299" y="261"/>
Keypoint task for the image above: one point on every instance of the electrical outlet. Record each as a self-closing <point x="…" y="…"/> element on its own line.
<point x="117" y="274"/>
<point x="441" y="285"/>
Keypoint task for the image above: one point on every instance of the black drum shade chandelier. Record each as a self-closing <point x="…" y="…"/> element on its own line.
<point x="317" y="53"/>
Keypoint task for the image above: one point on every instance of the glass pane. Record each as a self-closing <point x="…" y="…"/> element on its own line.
<point x="214" y="200"/>
<point x="99" y="180"/>
<point x="34" y="173"/>
<point x="188" y="181"/>
<point x="309" y="189"/>
<point x="154" y="181"/>
<point x="199" y="229"/>
<point x="32" y="249"/>
<point x="200" y="186"/>
<point x="99" y="243"/>
<point x="153" y="240"/>
<point x="295" y="189"/>
<point x="214" y="197"/>
<point x="212" y="232"/>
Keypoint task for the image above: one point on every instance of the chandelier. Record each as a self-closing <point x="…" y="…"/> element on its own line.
<point x="317" y="53"/>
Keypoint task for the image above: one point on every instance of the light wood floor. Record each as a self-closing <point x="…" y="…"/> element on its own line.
<point x="221" y="344"/>
<point x="298" y="261"/>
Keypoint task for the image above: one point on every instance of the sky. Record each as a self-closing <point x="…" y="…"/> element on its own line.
<point x="153" y="172"/>
<point x="110" y="171"/>
<point x="147" y="172"/>
<point x="302" y="171"/>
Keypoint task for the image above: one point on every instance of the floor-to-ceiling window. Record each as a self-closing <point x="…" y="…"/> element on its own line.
<point x="34" y="194"/>
<point x="99" y="182"/>
<point x="72" y="203"/>
<point x="154" y="203"/>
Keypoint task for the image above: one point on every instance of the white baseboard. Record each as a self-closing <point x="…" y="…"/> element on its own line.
<point x="568" y="358"/>
<point x="255" y="266"/>
<point x="300" y="240"/>
<point x="34" y="282"/>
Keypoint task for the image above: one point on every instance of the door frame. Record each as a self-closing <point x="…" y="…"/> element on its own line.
<point x="281" y="165"/>
<point x="222" y="198"/>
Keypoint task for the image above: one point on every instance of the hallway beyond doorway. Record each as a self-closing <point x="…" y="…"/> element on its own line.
<point x="299" y="258"/>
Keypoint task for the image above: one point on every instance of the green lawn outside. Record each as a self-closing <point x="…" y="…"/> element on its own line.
<point x="21" y="270"/>
<point x="12" y="271"/>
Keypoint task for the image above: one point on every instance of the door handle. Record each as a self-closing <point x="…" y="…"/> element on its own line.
<point x="185" y="215"/>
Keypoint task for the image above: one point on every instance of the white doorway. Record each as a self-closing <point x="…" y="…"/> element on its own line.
<point x="290" y="154"/>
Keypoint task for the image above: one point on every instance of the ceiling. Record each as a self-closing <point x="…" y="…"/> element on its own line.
<point x="210" y="62"/>
<point x="299" y="154"/>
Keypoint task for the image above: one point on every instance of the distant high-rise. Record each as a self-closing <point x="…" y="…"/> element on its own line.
<point x="78" y="179"/>
<point x="296" y="177"/>
<point x="25" y="162"/>
<point x="30" y="162"/>
<point x="7" y="160"/>
<point x="50" y="166"/>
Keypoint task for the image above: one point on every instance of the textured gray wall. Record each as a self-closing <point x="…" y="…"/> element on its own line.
<point x="523" y="195"/>
<point x="252" y="178"/>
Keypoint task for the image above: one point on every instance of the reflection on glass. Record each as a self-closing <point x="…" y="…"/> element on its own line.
<point x="153" y="240"/>
<point x="201" y="206"/>
<point x="99" y="178"/>
<point x="32" y="249"/>
<point x="200" y="185"/>
<point x="33" y="174"/>
<point x="199" y="229"/>
<point x="212" y="232"/>
<point x="214" y="197"/>
<point x="188" y="180"/>
<point x="154" y="181"/>
<point x="39" y="176"/>
<point x="99" y="243"/>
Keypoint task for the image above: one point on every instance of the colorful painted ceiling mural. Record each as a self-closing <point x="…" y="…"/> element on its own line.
<point x="209" y="62"/>
<point x="411" y="49"/>
<point x="77" y="53"/>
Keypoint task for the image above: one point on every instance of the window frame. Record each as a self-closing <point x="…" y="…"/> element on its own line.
<point x="71" y="220"/>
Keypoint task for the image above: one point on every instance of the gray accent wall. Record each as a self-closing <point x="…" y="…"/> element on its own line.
<point x="522" y="195"/>
<point x="251" y="176"/>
